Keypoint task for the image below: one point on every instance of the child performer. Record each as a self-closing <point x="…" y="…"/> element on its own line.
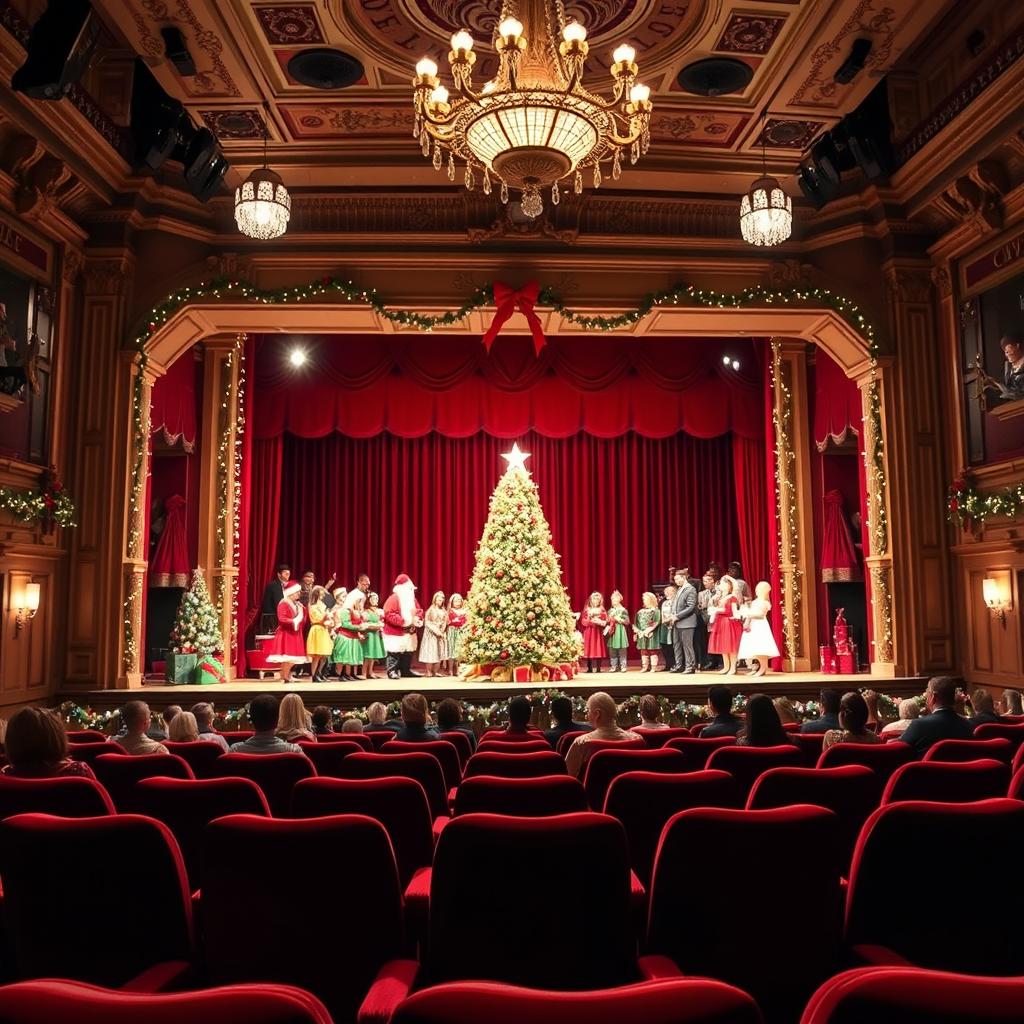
<point x="339" y="594"/>
<point x="668" y="654"/>
<point x="757" y="642"/>
<point x="349" y="633"/>
<point x="618" y="639"/>
<point x="593" y="622"/>
<point x="646" y="633"/>
<point x="456" y="624"/>
<point x="727" y="627"/>
<point x="287" y="647"/>
<point x="373" y="649"/>
<point x="318" y="641"/>
<point x="433" y="645"/>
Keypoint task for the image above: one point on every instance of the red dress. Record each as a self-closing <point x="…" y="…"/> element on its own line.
<point x="592" y="624"/>
<point x="287" y="644"/>
<point x="726" y="631"/>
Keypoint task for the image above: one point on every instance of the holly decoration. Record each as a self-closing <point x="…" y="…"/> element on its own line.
<point x="197" y="625"/>
<point x="967" y="506"/>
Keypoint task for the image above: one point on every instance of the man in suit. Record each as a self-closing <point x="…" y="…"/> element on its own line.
<point x="942" y="722"/>
<point x="273" y="595"/>
<point x="829" y="713"/>
<point x="415" y="724"/>
<point x="705" y="599"/>
<point x="984" y="708"/>
<point x="725" y="723"/>
<point x="561" y="716"/>
<point x="684" y="623"/>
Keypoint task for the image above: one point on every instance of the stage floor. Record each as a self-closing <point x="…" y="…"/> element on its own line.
<point x="691" y="688"/>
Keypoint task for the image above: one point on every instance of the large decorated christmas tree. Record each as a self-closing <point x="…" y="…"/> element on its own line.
<point x="518" y="611"/>
<point x="197" y="625"/>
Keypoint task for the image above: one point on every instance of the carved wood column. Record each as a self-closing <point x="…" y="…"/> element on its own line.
<point x="796" y="518"/>
<point x="217" y="483"/>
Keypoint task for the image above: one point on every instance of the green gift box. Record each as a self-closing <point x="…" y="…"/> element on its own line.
<point x="181" y="668"/>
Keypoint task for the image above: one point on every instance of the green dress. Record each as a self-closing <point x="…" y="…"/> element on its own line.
<point x="374" y="644"/>
<point x="645" y="619"/>
<point x="348" y="643"/>
<point x="618" y="618"/>
<point x="664" y="633"/>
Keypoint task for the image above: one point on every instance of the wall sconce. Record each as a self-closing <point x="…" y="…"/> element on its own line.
<point x="996" y="592"/>
<point x="29" y="606"/>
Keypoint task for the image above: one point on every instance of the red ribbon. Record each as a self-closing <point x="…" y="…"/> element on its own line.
<point x="508" y="300"/>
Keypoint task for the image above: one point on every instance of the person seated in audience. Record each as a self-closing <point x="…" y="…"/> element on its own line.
<point x="650" y="713"/>
<point x="377" y="714"/>
<point x="942" y="721"/>
<point x="785" y="710"/>
<point x="352" y="725"/>
<point x="293" y="722"/>
<point x="37" y="747"/>
<point x="601" y="714"/>
<point x="983" y="707"/>
<point x="264" y="712"/>
<point x="416" y="727"/>
<point x="204" y="712"/>
<point x="136" y="718"/>
<point x="323" y="720"/>
<point x="520" y="711"/>
<point x="908" y="711"/>
<point x="723" y="721"/>
<point x="853" y="723"/>
<point x="183" y="728"/>
<point x="159" y="728"/>
<point x="829" y="713"/>
<point x="1012" y="703"/>
<point x="561" y="716"/>
<point x="762" y="727"/>
<point x="449" y="719"/>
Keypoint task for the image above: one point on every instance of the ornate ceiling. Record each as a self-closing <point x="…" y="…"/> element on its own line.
<point x="361" y="136"/>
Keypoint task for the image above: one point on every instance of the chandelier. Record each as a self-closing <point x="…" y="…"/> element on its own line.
<point x="262" y="204"/>
<point x="766" y="212"/>
<point x="534" y="125"/>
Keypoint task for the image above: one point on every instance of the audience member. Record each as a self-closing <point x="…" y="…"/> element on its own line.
<point x="520" y="711"/>
<point x="36" y="745"/>
<point x="942" y="722"/>
<point x="159" y="728"/>
<point x="183" y="728"/>
<point x="377" y="714"/>
<point x="136" y="718"/>
<point x="1012" y="703"/>
<point x="449" y="719"/>
<point x="650" y="713"/>
<point x="264" y="712"/>
<point x="203" y="712"/>
<point x="323" y="720"/>
<point x="293" y="722"/>
<point x="561" y="716"/>
<point x="762" y="727"/>
<point x="415" y="725"/>
<point x="785" y="710"/>
<point x="829" y="713"/>
<point x="853" y="723"/>
<point x="908" y="711"/>
<point x="984" y="708"/>
<point x="601" y="714"/>
<point x="352" y="725"/>
<point x="723" y="721"/>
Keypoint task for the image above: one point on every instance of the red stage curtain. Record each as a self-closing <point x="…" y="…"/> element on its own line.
<point x="748" y="458"/>
<point x="621" y="509"/>
<point x="174" y="401"/>
<point x="170" y="565"/>
<point x="837" y="403"/>
<point x="263" y="506"/>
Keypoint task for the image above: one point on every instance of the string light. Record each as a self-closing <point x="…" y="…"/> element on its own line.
<point x="966" y="505"/>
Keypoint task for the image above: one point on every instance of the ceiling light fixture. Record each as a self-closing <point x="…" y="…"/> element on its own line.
<point x="297" y="357"/>
<point x="766" y="212"/>
<point x="262" y="204"/>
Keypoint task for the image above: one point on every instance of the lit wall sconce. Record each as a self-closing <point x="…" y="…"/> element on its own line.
<point x="996" y="592"/>
<point x="29" y="606"/>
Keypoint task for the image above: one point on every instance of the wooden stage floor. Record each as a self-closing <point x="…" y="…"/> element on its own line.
<point x="692" y="688"/>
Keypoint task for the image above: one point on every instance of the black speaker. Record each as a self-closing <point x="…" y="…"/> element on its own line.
<point x="867" y="134"/>
<point x="854" y="63"/>
<point x="177" y="52"/>
<point x="60" y="47"/>
<point x="205" y="165"/>
<point x="159" y="124"/>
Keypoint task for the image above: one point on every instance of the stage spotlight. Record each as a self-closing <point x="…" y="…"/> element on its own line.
<point x="58" y="51"/>
<point x="735" y="364"/>
<point x="726" y="360"/>
<point x="297" y="357"/>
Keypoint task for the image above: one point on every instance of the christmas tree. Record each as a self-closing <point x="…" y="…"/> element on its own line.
<point x="197" y="625"/>
<point x="517" y="611"/>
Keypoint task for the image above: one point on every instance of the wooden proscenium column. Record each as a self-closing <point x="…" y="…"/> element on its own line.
<point x="221" y="375"/>
<point x="796" y="519"/>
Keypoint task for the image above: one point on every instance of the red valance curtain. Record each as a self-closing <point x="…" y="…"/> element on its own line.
<point x="838" y="411"/>
<point x="173" y="415"/>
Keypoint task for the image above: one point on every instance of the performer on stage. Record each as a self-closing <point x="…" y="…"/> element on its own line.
<point x="758" y="642"/>
<point x="665" y="629"/>
<point x="618" y="638"/>
<point x="726" y="627"/>
<point x="706" y="597"/>
<point x="593" y="623"/>
<point x="646" y="628"/>
<point x="402" y="617"/>
<point x="434" y="643"/>
<point x="373" y="650"/>
<point x="684" y="623"/>
<point x="456" y="624"/>
<point x="287" y="648"/>
<point x="318" y="640"/>
<point x="348" y="637"/>
<point x="273" y="595"/>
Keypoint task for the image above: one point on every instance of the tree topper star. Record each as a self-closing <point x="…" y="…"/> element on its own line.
<point x="516" y="458"/>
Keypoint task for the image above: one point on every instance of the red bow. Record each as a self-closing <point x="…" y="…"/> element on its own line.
<point x="508" y="300"/>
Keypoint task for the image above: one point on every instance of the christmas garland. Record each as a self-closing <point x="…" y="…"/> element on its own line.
<point x="966" y="506"/>
<point x="48" y="506"/>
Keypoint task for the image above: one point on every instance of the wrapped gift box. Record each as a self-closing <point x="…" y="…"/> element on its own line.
<point x="828" y="660"/>
<point x="566" y="671"/>
<point x="181" y="669"/>
<point x="847" y="663"/>
<point x="521" y="674"/>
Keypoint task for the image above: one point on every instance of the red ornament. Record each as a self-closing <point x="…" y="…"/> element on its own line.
<point x="325" y="280"/>
<point x="500" y="573"/>
<point x="504" y="655"/>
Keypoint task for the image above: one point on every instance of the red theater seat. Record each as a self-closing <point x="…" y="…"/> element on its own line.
<point x="327" y="757"/>
<point x="275" y="774"/>
<point x="531" y="746"/>
<point x="424" y="768"/>
<point x="745" y="764"/>
<point x="999" y="749"/>
<point x="462" y="744"/>
<point x="363" y="740"/>
<point x="85" y="736"/>
<point x="44" y="860"/>
<point x="941" y="930"/>
<point x="566" y="740"/>
<point x="526" y="798"/>
<point x="89" y="752"/>
<point x="606" y="765"/>
<point x="500" y="732"/>
<point x="1002" y="730"/>
<point x="697" y="749"/>
<point x="739" y="931"/>
<point x="644" y="802"/>
<point x="654" y="738"/>
<point x="187" y="806"/>
<point x="70" y="797"/>
<point x="46" y="1002"/>
<point x="810" y="745"/>
<point x="337" y="958"/>
<point x="119" y="774"/>
<point x="948" y="782"/>
<point x="676" y="1001"/>
<point x="445" y="753"/>
<point x="200" y="755"/>
<point x="377" y="738"/>
<point x="882" y="758"/>
<point x="516" y="766"/>
<point x="237" y="736"/>
<point x="907" y="995"/>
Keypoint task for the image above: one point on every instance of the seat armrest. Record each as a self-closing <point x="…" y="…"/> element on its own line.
<point x="880" y="956"/>
<point x="439" y="823"/>
<point x="163" y="977"/>
<point x="393" y="983"/>
<point x="657" y="968"/>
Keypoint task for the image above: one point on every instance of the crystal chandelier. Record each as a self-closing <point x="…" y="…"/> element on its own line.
<point x="766" y="212"/>
<point x="262" y="204"/>
<point x="534" y="125"/>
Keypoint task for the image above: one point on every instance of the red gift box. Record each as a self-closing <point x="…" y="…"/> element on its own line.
<point x="521" y="674"/>
<point x="848" y="662"/>
<point x="828" y="660"/>
<point x="567" y="671"/>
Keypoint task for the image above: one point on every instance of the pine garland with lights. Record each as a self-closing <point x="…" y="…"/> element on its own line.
<point x="45" y="507"/>
<point x="196" y="626"/>
<point x="967" y="507"/>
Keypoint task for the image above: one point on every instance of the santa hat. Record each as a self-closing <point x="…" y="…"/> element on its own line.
<point x="402" y="579"/>
<point x="292" y="588"/>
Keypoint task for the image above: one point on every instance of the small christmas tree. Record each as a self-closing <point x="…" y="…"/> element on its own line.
<point x="518" y="611"/>
<point x="197" y="625"/>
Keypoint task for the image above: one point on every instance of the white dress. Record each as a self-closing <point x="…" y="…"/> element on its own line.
<point x="757" y="638"/>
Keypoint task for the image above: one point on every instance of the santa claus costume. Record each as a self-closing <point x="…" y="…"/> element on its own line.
<point x="288" y="647"/>
<point x="402" y="617"/>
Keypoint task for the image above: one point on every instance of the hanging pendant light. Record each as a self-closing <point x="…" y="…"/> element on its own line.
<point x="766" y="212"/>
<point x="262" y="204"/>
